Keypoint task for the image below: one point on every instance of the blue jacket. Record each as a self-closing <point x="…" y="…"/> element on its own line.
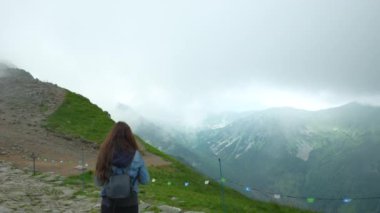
<point x="137" y="170"/>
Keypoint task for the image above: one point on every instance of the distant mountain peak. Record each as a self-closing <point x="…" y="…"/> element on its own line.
<point x="6" y="65"/>
<point x="357" y="104"/>
<point x="12" y="72"/>
<point x="353" y="104"/>
<point x="352" y="107"/>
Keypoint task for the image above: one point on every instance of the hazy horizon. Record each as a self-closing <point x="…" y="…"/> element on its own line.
<point x="179" y="61"/>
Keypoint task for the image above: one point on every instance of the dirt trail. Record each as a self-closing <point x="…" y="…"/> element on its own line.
<point x="25" y="103"/>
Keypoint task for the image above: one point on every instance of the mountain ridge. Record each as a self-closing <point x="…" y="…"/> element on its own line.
<point x="294" y="146"/>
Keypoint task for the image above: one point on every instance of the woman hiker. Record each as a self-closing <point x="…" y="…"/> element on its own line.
<point x="119" y="155"/>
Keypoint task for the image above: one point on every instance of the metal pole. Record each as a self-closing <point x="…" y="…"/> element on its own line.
<point x="82" y="168"/>
<point x="222" y="186"/>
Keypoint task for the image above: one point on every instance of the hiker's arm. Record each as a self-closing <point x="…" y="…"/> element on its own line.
<point x="143" y="173"/>
<point x="144" y="176"/>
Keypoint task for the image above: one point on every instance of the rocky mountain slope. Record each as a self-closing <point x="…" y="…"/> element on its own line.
<point x="25" y="104"/>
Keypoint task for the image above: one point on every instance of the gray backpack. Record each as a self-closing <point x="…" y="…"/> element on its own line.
<point x="119" y="186"/>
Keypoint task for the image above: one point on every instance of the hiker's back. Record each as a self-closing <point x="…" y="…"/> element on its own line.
<point x="120" y="167"/>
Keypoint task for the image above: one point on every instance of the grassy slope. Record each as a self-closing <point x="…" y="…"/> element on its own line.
<point x="78" y="117"/>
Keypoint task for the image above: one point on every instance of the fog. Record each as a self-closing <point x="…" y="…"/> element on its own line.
<point x="178" y="61"/>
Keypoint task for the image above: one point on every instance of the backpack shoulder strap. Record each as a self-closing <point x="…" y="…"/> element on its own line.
<point x="119" y="170"/>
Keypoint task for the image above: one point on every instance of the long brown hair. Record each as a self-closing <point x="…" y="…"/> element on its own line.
<point x="119" y="138"/>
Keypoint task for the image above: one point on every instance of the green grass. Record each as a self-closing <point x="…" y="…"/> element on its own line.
<point x="87" y="178"/>
<point x="78" y="117"/>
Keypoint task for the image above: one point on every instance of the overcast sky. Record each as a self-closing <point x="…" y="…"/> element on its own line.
<point x="181" y="59"/>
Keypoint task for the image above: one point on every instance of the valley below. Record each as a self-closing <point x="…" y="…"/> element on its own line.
<point x="325" y="160"/>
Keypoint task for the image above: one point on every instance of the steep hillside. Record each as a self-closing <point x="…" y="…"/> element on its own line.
<point x="78" y="117"/>
<point x="25" y="105"/>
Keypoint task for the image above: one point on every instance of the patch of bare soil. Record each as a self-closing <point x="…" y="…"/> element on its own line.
<point x="25" y="104"/>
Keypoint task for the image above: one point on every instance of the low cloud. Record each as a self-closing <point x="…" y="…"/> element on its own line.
<point x="182" y="60"/>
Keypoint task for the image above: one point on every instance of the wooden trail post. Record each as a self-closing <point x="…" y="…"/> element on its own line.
<point x="34" y="163"/>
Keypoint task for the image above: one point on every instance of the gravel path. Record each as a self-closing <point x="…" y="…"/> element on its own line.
<point x="23" y="192"/>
